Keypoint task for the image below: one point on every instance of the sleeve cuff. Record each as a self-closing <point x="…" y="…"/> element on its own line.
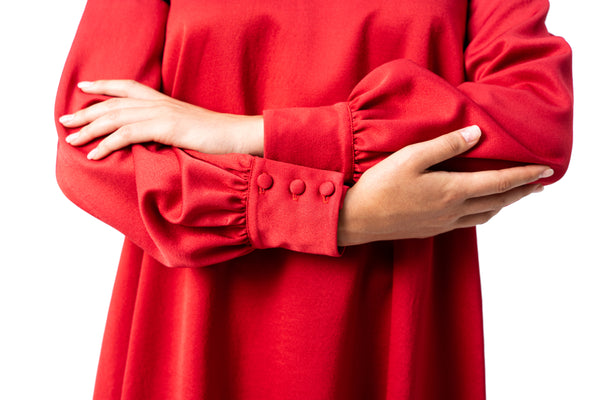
<point x="316" y="137"/>
<point x="294" y="208"/>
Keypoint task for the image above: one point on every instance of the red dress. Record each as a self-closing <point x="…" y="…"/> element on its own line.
<point x="230" y="284"/>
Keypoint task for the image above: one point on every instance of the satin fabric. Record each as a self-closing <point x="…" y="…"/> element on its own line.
<point x="230" y="284"/>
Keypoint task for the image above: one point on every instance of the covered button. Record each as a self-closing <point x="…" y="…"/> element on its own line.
<point x="297" y="187"/>
<point x="264" y="181"/>
<point x="327" y="189"/>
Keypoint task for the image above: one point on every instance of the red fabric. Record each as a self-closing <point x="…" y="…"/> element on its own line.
<point x="276" y="312"/>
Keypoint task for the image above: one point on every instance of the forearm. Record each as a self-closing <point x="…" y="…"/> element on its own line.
<point x="402" y="198"/>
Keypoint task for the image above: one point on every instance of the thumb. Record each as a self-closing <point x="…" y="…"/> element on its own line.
<point x="442" y="148"/>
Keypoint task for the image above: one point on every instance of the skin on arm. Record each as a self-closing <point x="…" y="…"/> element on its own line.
<point x="137" y="113"/>
<point x="399" y="198"/>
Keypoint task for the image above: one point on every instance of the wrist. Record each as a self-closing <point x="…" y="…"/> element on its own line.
<point x="344" y="236"/>
<point x="350" y="232"/>
<point x="252" y="135"/>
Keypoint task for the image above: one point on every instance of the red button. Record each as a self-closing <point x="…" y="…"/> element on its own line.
<point x="264" y="181"/>
<point x="297" y="187"/>
<point x="327" y="189"/>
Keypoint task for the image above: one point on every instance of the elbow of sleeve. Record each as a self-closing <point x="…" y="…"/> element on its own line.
<point x="70" y="176"/>
<point x="520" y="92"/>
<point x="528" y="140"/>
<point x="558" y="147"/>
<point x="552" y="125"/>
<point x="554" y="144"/>
<point x="529" y="124"/>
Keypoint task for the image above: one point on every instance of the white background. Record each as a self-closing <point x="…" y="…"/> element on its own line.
<point x="540" y="259"/>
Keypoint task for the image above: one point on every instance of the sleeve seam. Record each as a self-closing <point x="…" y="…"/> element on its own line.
<point x="247" y="198"/>
<point x="352" y="142"/>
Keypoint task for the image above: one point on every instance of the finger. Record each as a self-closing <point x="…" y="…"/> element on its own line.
<point x="432" y="152"/>
<point x="91" y="113"/>
<point x="109" y="123"/>
<point x="498" y="201"/>
<point x="485" y="183"/>
<point x="475" y="219"/>
<point x="120" y="88"/>
<point x="139" y="132"/>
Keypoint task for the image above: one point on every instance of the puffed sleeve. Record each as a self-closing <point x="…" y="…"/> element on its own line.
<point x="517" y="88"/>
<point x="184" y="208"/>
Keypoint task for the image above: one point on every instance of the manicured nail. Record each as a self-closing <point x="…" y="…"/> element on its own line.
<point x="92" y="154"/>
<point x="547" y="173"/>
<point x="72" y="137"/>
<point x="539" y="188"/>
<point x="471" y="134"/>
<point x="65" y="119"/>
<point x="84" y="84"/>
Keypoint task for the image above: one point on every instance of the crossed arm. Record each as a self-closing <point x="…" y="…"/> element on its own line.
<point x="399" y="198"/>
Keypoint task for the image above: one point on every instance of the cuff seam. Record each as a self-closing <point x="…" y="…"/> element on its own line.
<point x="352" y="143"/>
<point x="247" y="197"/>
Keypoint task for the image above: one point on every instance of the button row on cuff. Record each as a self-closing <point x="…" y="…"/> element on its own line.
<point x="297" y="186"/>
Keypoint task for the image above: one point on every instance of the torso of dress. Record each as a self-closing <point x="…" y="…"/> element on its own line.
<point x="303" y="53"/>
<point x="342" y="84"/>
<point x="282" y="325"/>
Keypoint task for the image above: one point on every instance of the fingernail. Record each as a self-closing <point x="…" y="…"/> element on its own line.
<point x="65" y="119"/>
<point x="539" y="188"/>
<point x="471" y="134"/>
<point x="84" y="84"/>
<point x="92" y="154"/>
<point x="547" y="173"/>
<point x="72" y="137"/>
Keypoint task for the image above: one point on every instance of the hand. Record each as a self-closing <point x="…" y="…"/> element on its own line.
<point x="399" y="198"/>
<point x="137" y="113"/>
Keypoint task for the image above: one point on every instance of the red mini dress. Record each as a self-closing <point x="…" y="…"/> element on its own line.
<point x="231" y="284"/>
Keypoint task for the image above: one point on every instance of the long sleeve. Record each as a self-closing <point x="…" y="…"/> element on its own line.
<point x="183" y="208"/>
<point x="516" y="86"/>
